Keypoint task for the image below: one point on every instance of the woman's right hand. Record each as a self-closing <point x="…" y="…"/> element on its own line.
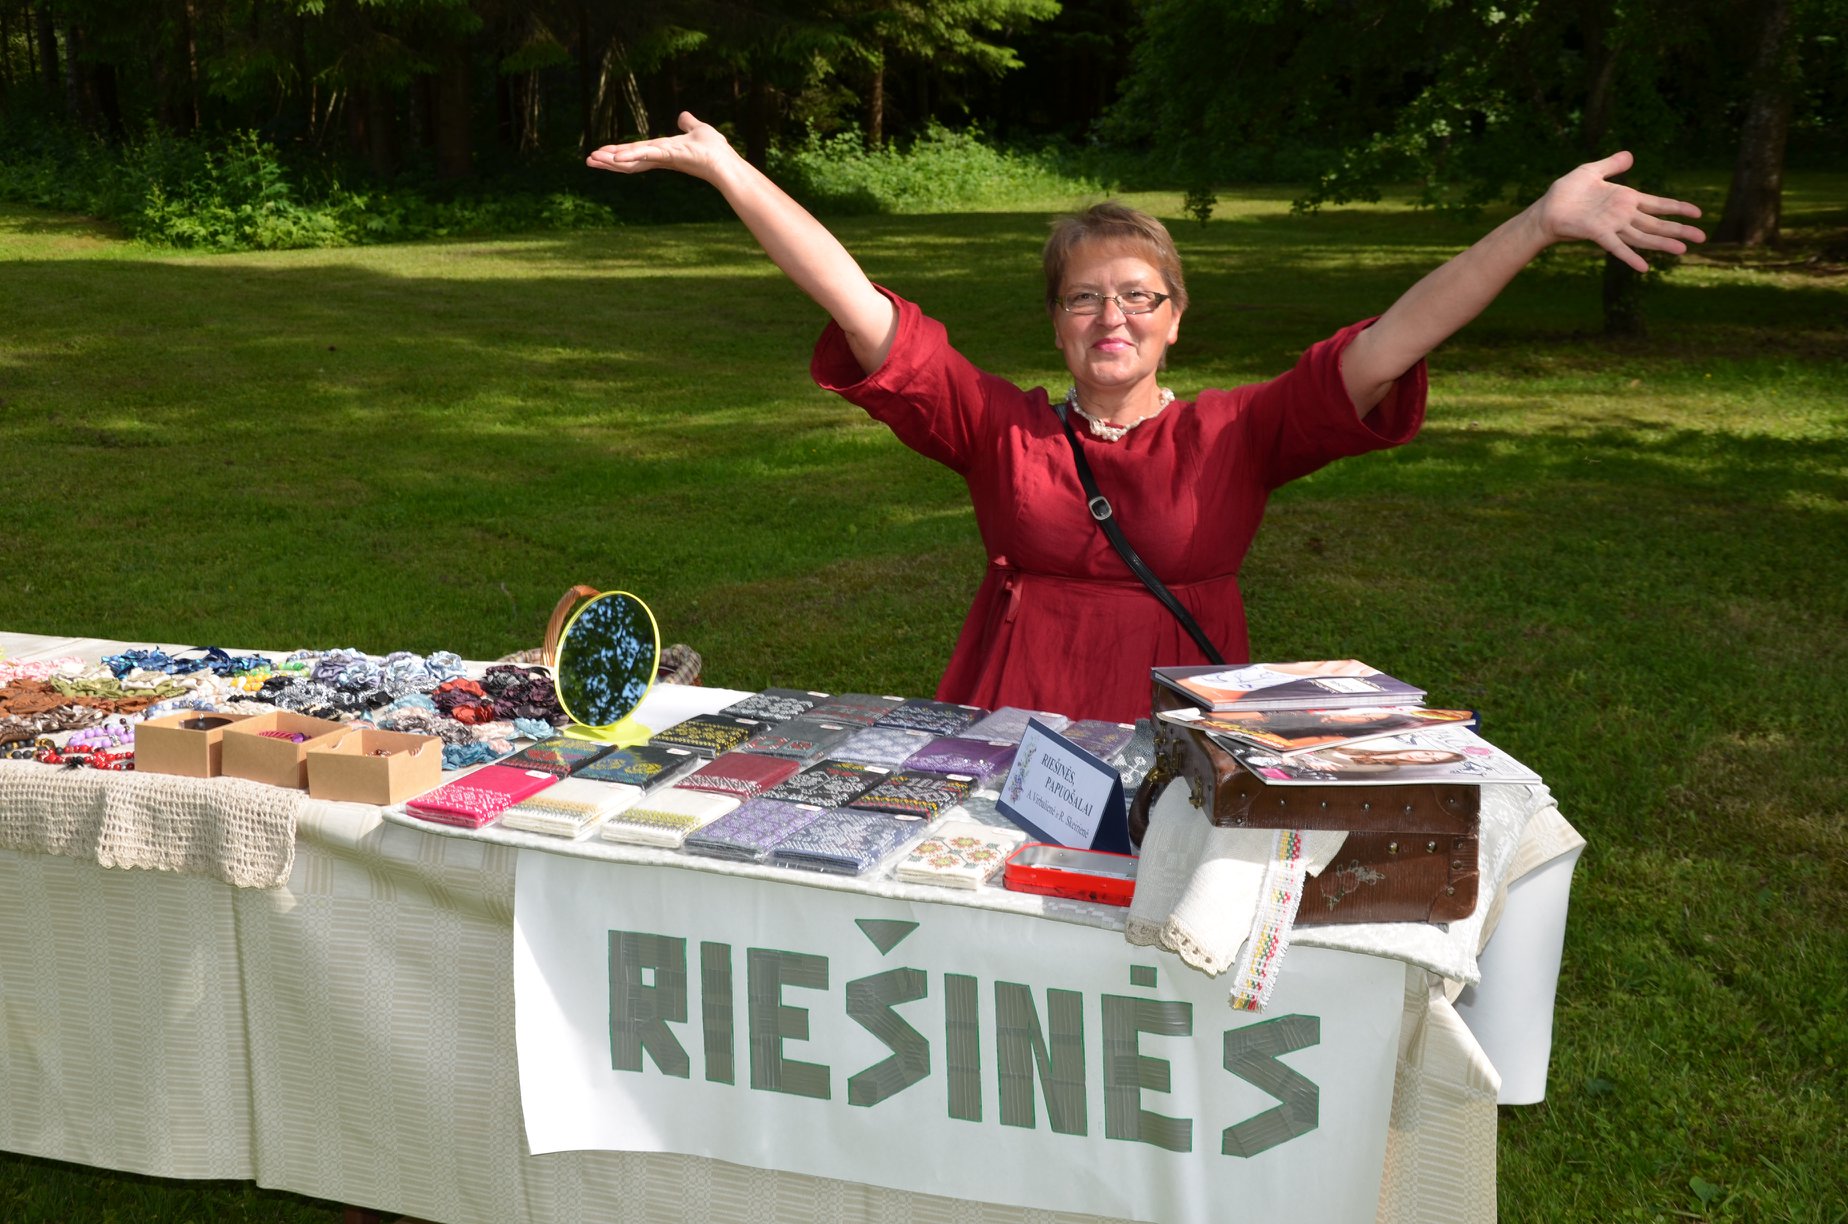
<point x="797" y="243"/>
<point x="701" y="150"/>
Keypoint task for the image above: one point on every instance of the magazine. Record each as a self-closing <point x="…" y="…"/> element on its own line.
<point x="1323" y="684"/>
<point x="1441" y="754"/>
<point x="1288" y="732"/>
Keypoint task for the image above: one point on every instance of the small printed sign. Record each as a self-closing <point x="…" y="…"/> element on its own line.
<point x="1062" y="794"/>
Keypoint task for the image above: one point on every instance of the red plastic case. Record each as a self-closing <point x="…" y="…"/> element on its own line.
<point x="1081" y="875"/>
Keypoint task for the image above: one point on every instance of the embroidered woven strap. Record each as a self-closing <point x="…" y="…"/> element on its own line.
<point x="1255" y="973"/>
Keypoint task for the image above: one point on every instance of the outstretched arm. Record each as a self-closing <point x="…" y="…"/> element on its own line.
<point x="794" y="240"/>
<point x="1582" y="205"/>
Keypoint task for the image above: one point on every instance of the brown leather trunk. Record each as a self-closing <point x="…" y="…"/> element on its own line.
<point x="1410" y="854"/>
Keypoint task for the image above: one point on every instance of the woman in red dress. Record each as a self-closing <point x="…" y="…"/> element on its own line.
<point x="1060" y="622"/>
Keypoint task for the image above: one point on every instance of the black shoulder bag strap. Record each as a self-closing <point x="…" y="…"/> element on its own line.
<point x="1106" y="519"/>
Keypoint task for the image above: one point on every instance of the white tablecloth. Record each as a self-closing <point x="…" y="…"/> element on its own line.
<point x="350" y="1036"/>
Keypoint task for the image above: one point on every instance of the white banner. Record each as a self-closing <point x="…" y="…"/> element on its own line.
<point x="941" y="1048"/>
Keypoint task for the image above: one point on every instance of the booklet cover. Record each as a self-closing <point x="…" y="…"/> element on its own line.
<point x="1441" y="754"/>
<point x="1323" y="684"/>
<point x="1287" y="732"/>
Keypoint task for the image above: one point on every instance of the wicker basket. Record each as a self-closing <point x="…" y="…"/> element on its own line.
<point x="680" y="663"/>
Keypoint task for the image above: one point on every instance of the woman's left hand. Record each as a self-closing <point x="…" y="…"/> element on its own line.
<point x="1620" y="219"/>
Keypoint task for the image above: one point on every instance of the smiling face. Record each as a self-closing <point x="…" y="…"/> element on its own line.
<point x="1113" y="357"/>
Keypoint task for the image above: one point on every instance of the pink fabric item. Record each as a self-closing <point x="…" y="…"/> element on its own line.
<point x="478" y="798"/>
<point x="1060" y="623"/>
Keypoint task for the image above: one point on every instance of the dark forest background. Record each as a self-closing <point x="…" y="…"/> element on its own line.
<point x="155" y="111"/>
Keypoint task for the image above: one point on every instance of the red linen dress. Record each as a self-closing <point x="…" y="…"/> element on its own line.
<point x="1060" y="623"/>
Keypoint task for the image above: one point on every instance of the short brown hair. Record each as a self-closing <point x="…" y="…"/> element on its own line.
<point x="1115" y="223"/>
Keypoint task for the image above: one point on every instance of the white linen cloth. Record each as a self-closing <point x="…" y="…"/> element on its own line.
<point x="1209" y="894"/>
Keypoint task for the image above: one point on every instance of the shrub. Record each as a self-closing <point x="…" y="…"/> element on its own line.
<point x="938" y="171"/>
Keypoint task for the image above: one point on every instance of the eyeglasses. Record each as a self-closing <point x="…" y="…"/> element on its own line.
<point x="1130" y="302"/>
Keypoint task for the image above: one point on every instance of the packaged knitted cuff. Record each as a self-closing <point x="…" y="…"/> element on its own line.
<point x="649" y="766"/>
<point x="860" y="709"/>
<point x="775" y="705"/>
<point x="982" y="807"/>
<point x="830" y="784"/>
<point x="708" y="734"/>
<point x="843" y="842"/>
<point x="936" y="717"/>
<point x="666" y="817"/>
<point x="478" y="798"/>
<point x="886" y="746"/>
<point x="749" y="834"/>
<point x="1009" y="723"/>
<point x="743" y="774"/>
<point x="954" y="755"/>
<point x="806" y="739"/>
<point x="1100" y="739"/>
<point x="958" y="854"/>
<point x="571" y="808"/>
<point x="915" y="795"/>
<point x="558" y="755"/>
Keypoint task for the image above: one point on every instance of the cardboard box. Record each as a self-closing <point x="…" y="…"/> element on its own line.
<point x="164" y="745"/>
<point x="276" y="762"/>
<point x="346" y="770"/>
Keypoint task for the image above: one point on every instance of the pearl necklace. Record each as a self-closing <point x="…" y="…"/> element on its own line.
<point x="1104" y="429"/>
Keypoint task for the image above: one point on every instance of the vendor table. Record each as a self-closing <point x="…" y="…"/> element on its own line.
<point x="350" y="1036"/>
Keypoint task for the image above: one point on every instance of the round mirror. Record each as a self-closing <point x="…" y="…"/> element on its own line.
<point x="607" y="658"/>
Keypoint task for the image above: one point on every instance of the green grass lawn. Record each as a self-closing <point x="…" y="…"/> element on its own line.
<point x="1632" y="557"/>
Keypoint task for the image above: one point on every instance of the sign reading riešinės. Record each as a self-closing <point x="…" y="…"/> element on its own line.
<point x="940" y="1048"/>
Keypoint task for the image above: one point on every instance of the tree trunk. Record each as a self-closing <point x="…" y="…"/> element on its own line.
<point x="48" y="58"/>
<point x="77" y="101"/>
<point x="311" y="88"/>
<point x="455" y="154"/>
<point x="503" y="111"/>
<point x="529" y="112"/>
<point x="1623" y="299"/>
<point x="631" y="92"/>
<point x="757" y="120"/>
<point x="875" y="103"/>
<point x="104" y="87"/>
<point x="6" y="52"/>
<point x="189" y="27"/>
<point x="1754" y="201"/>
<point x="32" y="64"/>
<point x="591" y="83"/>
<point x="381" y="135"/>
<point x="1622" y="290"/>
